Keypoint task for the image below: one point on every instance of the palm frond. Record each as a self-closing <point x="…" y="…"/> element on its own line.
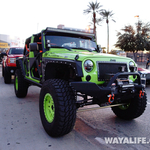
<point x="107" y="14"/>
<point x="92" y="7"/>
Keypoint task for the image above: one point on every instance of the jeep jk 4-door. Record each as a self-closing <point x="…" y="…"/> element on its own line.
<point x="72" y="73"/>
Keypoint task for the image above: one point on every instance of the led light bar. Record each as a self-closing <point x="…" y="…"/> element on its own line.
<point x="70" y="30"/>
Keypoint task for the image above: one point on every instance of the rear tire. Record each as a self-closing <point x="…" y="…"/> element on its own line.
<point x="2" y="70"/>
<point x="57" y="107"/>
<point x="20" y="85"/>
<point x="7" y="76"/>
<point x="132" y="110"/>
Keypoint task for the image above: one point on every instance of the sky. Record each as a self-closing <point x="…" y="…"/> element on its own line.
<point x="23" y="18"/>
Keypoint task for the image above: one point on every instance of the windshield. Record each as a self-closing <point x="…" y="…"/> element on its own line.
<point x="15" y="51"/>
<point x="74" y="42"/>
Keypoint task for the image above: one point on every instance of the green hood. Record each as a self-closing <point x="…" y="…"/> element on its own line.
<point x="83" y="54"/>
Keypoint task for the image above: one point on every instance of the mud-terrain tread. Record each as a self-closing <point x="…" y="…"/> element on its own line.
<point x="65" y="107"/>
<point x="2" y="70"/>
<point x="136" y="108"/>
<point x="22" y="85"/>
<point x="7" y="76"/>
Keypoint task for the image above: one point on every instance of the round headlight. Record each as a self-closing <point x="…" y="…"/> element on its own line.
<point x="88" y="65"/>
<point x="131" y="64"/>
<point x="132" y="67"/>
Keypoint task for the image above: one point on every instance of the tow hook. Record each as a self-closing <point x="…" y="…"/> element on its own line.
<point x="111" y="98"/>
<point x="141" y="94"/>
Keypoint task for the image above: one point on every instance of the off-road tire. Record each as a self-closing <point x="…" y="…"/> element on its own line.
<point x="62" y="105"/>
<point x="7" y="76"/>
<point x="20" y="85"/>
<point x="131" y="110"/>
<point x="2" y="70"/>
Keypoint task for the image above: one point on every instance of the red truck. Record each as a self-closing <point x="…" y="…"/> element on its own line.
<point x="9" y="62"/>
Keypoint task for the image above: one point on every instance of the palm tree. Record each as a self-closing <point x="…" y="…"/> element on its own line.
<point x="93" y="8"/>
<point x="127" y="39"/>
<point x="143" y="30"/>
<point x="107" y="15"/>
<point x="130" y="39"/>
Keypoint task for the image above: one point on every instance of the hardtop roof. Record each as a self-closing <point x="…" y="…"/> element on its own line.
<point x="50" y="29"/>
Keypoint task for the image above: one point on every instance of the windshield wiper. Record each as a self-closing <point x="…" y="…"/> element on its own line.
<point x="82" y="48"/>
<point x="66" y="47"/>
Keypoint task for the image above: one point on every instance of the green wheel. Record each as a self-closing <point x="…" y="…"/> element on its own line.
<point x="132" y="110"/>
<point x="124" y="107"/>
<point x="20" y="85"/>
<point x="57" y="107"/>
<point x="16" y="83"/>
<point x="49" y="108"/>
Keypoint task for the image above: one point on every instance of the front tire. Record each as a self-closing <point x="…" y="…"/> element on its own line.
<point x="132" y="110"/>
<point x="57" y="107"/>
<point x="20" y="85"/>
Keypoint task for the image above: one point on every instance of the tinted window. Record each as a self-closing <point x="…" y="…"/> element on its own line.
<point x="71" y="41"/>
<point x="16" y="51"/>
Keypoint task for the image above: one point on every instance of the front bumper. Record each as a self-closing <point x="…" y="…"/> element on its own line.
<point x="119" y="92"/>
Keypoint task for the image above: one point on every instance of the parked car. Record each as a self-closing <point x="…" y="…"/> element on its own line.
<point x="9" y="62"/>
<point x="144" y="73"/>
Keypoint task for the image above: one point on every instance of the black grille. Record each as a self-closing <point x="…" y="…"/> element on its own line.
<point x="106" y="70"/>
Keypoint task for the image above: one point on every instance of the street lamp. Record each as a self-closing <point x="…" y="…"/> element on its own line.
<point x="137" y="46"/>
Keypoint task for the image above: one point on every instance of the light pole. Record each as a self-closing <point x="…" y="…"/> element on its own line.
<point x="137" y="16"/>
<point x="107" y="21"/>
<point x="137" y="46"/>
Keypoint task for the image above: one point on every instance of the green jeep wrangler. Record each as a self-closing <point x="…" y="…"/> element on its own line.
<point x="72" y="73"/>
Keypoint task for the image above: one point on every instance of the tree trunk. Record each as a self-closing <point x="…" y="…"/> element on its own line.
<point x="94" y="31"/>
<point x="107" y="36"/>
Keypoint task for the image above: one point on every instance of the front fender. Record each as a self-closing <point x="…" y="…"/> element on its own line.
<point x="76" y="65"/>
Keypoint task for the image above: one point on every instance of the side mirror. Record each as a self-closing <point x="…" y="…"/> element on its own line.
<point x="33" y="47"/>
<point x="99" y="48"/>
<point x="3" y="54"/>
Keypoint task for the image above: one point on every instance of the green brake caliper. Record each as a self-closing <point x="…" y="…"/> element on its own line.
<point x="49" y="108"/>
